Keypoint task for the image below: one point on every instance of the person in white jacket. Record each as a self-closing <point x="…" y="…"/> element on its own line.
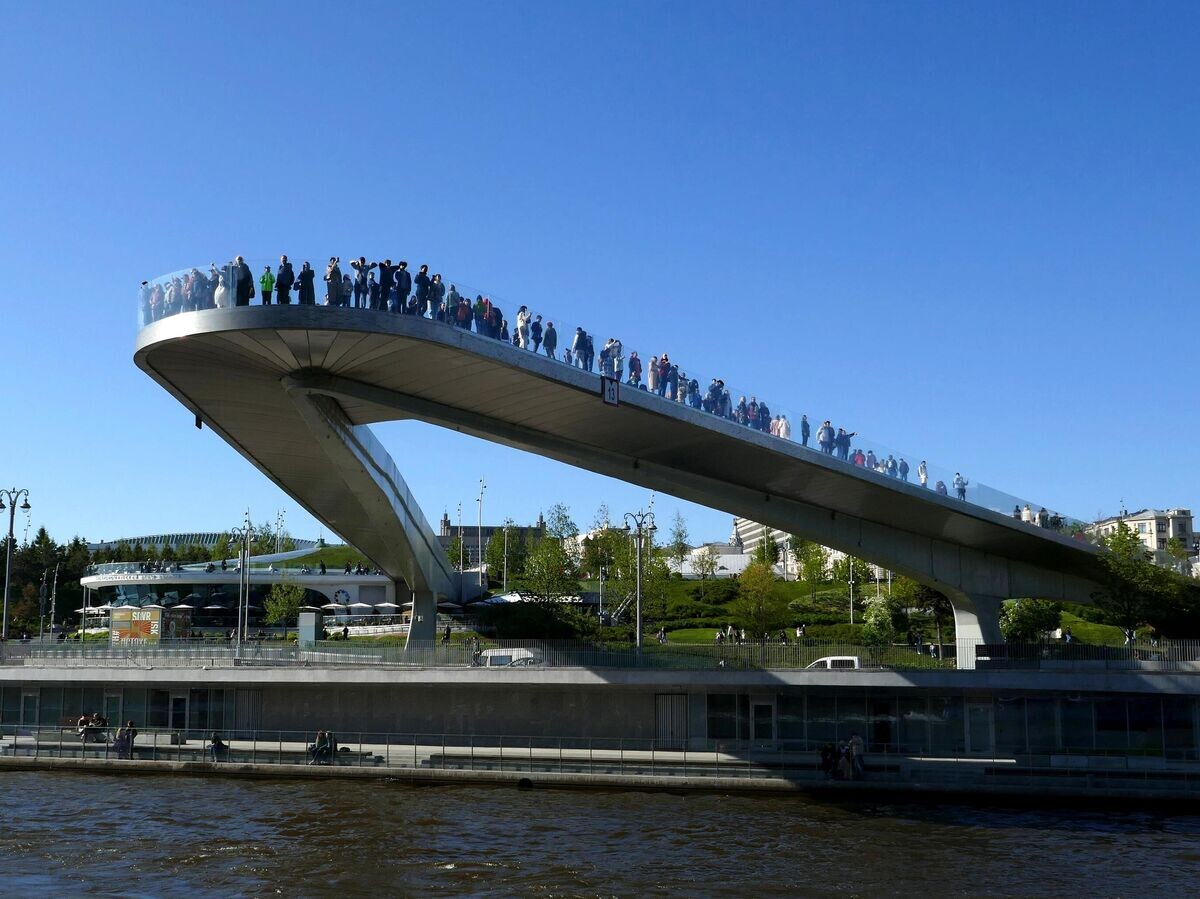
<point x="785" y="428"/>
<point x="523" y="328"/>
<point x="923" y="474"/>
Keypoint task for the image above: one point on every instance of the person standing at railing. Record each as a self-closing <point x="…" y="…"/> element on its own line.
<point x="387" y="280"/>
<point x="923" y="474"/>
<point x="333" y="282"/>
<point x="221" y="297"/>
<point x="267" y="282"/>
<point x="960" y="485"/>
<point x="404" y="285"/>
<point x="785" y="428"/>
<point x="421" y="285"/>
<point x="825" y="438"/>
<point x="437" y="295"/>
<point x="652" y="375"/>
<point x="535" y="332"/>
<point x="664" y="366"/>
<point x="361" y="269"/>
<point x="902" y="469"/>
<point x="805" y="430"/>
<point x="284" y="279"/>
<point x="550" y="339"/>
<point x="523" y="327"/>
<point x="243" y="282"/>
<point x="635" y="369"/>
<point x="306" y="293"/>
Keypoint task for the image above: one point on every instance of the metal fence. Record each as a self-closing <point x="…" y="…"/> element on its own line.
<point x="785" y="761"/>
<point x="1175" y="656"/>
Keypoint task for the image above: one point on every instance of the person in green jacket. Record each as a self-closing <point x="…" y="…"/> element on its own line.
<point x="266" y="282"/>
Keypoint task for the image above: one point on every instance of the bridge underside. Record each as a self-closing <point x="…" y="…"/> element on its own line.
<point x="286" y="385"/>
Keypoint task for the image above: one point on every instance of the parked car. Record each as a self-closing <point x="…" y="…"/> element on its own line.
<point x="843" y="663"/>
<point x="509" y="658"/>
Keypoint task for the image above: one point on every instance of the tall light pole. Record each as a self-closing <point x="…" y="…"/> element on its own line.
<point x="506" y="522"/>
<point x="479" y="534"/>
<point x="642" y="526"/>
<point x="460" y="548"/>
<point x="244" y="534"/>
<point x="12" y="496"/>
<point x="850" y="565"/>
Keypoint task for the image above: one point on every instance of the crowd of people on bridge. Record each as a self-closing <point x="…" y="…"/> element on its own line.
<point x="387" y="286"/>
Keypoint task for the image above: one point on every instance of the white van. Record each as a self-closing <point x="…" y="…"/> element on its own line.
<point x="838" y="663"/>
<point x="509" y="658"/>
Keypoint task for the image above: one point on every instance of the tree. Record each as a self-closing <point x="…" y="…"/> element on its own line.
<point x="1029" y="620"/>
<point x="223" y="548"/>
<point x="704" y="563"/>
<point x="677" y="546"/>
<point x="878" y="630"/>
<point x="843" y="566"/>
<point x="761" y="608"/>
<point x="283" y="602"/>
<point x="506" y="550"/>
<point x="601" y="521"/>
<point x="812" y="560"/>
<point x="919" y="596"/>
<point x="767" y="551"/>
<point x="454" y="551"/>
<point x="559" y="523"/>
<point x="1177" y="551"/>
<point x="1131" y="587"/>
<point x="550" y="571"/>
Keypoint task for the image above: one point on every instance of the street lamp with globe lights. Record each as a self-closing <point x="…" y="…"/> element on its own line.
<point x="12" y="496"/>
<point x="642" y="526"/>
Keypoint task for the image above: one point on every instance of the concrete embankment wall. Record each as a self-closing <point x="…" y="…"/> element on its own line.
<point x="601" y="781"/>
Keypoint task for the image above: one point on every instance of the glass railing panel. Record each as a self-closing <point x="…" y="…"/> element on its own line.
<point x="383" y="287"/>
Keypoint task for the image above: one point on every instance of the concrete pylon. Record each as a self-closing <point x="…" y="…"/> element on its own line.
<point x="976" y="620"/>
<point x="422" y="626"/>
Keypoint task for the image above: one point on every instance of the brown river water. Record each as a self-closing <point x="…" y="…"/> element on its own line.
<point x="71" y="833"/>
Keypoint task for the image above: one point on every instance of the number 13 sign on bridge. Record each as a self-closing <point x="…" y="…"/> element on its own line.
<point x="610" y="391"/>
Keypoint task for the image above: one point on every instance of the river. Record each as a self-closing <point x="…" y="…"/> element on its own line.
<point x="156" y="836"/>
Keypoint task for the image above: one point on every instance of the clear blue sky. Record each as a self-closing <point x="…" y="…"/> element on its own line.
<point x="969" y="230"/>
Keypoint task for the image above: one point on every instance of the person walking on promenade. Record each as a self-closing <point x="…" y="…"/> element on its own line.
<point x="805" y="430"/>
<point x="306" y="293"/>
<point x="124" y="740"/>
<point x="421" y="283"/>
<point x="550" y="339"/>
<point x="243" y="282"/>
<point x="284" y="279"/>
<point x="960" y="485"/>
<point x="361" y="269"/>
<point x="857" y="760"/>
<point x="266" y="281"/>
<point x="333" y="282"/>
<point x="923" y="474"/>
<point x="535" y="332"/>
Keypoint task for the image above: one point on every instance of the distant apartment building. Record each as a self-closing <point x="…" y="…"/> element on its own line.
<point x="748" y="534"/>
<point x="1154" y="528"/>
<point x="475" y="538"/>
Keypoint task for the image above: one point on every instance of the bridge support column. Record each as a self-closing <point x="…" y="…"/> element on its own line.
<point x="422" y="626"/>
<point x="976" y="620"/>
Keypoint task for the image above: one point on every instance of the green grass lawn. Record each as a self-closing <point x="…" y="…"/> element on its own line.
<point x="692" y="635"/>
<point x="1090" y="632"/>
<point x="334" y="557"/>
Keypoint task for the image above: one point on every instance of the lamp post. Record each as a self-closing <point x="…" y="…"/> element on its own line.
<point x="850" y="565"/>
<point x="506" y="523"/>
<point x="479" y="534"/>
<point x="642" y="525"/>
<point x="601" y="614"/>
<point x="244" y="534"/>
<point x="12" y="496"/>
